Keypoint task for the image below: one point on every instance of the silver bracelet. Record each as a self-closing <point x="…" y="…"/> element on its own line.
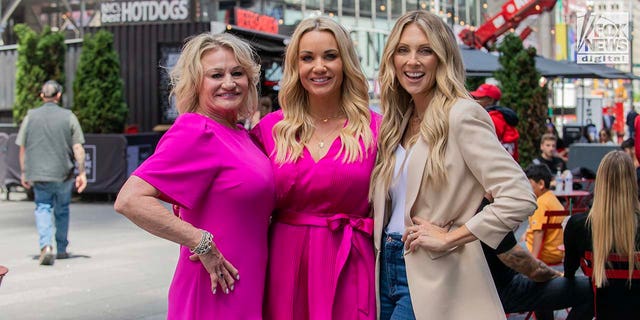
<point x="205" y="244"/>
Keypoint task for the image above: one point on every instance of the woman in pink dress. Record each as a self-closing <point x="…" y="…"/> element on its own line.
<point x="219" y="181"/>
<point x="322" y="148"/>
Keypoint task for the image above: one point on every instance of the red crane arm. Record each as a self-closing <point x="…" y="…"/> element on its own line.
<point x="512" y="13"/>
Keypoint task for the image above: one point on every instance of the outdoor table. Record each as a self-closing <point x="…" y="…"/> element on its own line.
<point x="574" y="199"/>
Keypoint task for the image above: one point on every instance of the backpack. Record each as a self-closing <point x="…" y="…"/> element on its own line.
<point x="505" y="120"/>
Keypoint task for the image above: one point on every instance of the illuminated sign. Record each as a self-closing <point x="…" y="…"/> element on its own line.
<point x="251" y="20"/>
<point x="144" y="11"/>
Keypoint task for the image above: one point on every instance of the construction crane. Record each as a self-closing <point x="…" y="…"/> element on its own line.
<point x="512" y="13"/>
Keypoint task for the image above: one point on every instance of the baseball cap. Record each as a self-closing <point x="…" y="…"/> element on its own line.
<point x="487" y="90"/>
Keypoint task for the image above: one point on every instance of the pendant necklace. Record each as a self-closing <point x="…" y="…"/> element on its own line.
<point x="326" y="119"/>
<point x="321" y="144"/>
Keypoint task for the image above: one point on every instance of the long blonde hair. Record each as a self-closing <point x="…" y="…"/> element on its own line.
<point x="187" y="75"/>
<point x="297" y="127"/>
<point x="615" y="213"/>
<point x="396" y="101"/>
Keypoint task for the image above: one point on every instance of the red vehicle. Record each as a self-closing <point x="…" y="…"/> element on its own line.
<point x="512" y="13"/>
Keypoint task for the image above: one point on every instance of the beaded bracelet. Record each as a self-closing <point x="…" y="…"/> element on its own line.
<point x="205" y="244"/>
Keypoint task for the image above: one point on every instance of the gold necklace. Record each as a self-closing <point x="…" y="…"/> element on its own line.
<point x="321" y="144"/>
<point x="326" y="119"/>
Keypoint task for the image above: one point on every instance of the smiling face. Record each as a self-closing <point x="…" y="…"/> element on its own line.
<point x="415" y="62"/>
<point x="320" y="65"/>
<point x="225" y="85"/>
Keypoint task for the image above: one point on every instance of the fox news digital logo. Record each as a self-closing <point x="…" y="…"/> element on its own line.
<point x="603" y="38"/>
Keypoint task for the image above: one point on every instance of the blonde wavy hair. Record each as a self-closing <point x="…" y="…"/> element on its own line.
<point x="297" y="127"/>
<point x="396" y="101"/>
<point x="615" y="213"/>
<point x="188" y="73"/>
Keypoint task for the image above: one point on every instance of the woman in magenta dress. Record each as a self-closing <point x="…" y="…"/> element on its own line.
<point x="219" y="181"/>
<point x="322" y="148"/>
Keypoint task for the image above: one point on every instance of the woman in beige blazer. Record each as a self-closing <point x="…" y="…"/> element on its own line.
<point x="438" y="154"/>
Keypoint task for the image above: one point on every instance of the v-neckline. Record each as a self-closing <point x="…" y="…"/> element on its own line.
<point x="329" y="147"/>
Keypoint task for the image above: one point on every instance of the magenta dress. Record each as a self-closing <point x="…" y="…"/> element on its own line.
<point x="321" y="255"/>
<point x="223" y="183"/>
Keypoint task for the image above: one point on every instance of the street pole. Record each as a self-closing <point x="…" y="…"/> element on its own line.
<point x="631" y="51"/>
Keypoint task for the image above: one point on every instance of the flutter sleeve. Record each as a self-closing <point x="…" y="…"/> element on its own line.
<point x="262" y="133"/>
<point x="184" y="162"/>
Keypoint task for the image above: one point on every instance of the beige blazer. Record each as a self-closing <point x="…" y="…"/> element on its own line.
<point x="458" y="284"/>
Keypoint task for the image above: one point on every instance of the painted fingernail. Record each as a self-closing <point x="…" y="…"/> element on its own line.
<point x="214" y="291"/>
<point x="232" y="286"/>
<point x="226" y="291"/>
<point x="238" y="277"/>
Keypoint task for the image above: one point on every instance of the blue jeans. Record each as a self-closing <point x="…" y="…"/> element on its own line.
<point x="395" y="301"/>
<point x="53" y="197"/>
<point x="523" y="294"/>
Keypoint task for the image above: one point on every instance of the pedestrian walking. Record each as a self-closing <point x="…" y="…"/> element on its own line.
<point x="50" y="139"/>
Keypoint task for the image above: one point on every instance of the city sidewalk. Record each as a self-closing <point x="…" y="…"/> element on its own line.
<point x="117" y="270"/>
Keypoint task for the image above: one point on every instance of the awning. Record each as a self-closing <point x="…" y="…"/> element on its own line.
<point x="605" y="72"/>
<point x="266" y="44"/>
<point x="553" y="69"/>
<point x="479" y="63"/>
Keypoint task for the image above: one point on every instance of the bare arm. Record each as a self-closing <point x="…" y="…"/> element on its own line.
<point x="536" y="246"/>
<point x="23" y="180"/>
<point x="520" y="260"/>
<point x="81" y="179"/>
<point x="137" y="201"/>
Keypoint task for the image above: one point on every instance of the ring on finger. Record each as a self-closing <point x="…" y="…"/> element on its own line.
<point x="221" y="275"/>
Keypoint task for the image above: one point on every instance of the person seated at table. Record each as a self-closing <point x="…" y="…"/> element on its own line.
<point x="548" y="154"/>
<point x="543" y="244"/>
<point x="628" y="147"/>
<point x="611" y="227"/>
<point x="604" y="136"/>
<point x="525" y="283"/>
<point x="561" y="147"/>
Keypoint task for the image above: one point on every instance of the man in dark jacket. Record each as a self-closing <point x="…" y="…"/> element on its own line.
<point x="504" y="119"/>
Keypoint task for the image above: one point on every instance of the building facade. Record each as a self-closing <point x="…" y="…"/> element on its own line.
<point x="149" y="34"/>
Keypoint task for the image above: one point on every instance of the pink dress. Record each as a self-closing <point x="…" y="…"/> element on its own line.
<point x="321" y="256"/>
<point x="223" y="183"/>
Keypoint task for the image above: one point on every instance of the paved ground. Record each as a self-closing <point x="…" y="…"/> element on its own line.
<point x="117" y="271"/>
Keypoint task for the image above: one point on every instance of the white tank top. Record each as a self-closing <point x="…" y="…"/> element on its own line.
<point x="398" y="191"/>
